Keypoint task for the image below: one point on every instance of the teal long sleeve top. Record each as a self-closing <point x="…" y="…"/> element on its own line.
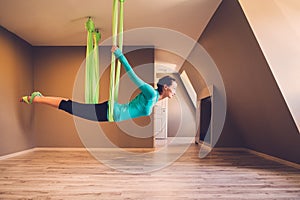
<point x="143" y="103"/>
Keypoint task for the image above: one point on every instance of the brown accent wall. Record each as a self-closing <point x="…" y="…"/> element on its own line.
<point x="55" y="72"/>
<point x="16" y="75"/>
<point x="256" y="109"/>
<point x="55" y="69"/>
<point x="229" y="136"/>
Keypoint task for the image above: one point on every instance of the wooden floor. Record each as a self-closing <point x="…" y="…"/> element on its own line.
<point x="77" y="175"/>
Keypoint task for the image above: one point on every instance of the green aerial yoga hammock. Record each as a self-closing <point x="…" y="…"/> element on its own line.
<point x="92" y="60"/>
<point x="92" y="63"/>
<point x="115" y="73"/>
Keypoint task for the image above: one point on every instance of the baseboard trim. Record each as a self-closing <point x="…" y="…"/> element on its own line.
<point x="263" y="155"/>
<point x="60" y="149"/>
<point x="16" y="154"/>
<point x="229" y="149"/>
<point x="273" y="158"/>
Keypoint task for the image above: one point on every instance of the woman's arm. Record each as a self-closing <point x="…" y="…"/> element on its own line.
<point x="144" y="87"/>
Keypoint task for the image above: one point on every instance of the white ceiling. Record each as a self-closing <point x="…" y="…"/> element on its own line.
<point x="61" y="22"/>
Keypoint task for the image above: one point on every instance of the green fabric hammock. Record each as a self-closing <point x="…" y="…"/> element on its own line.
<point x="92" y="63"/>
<point x="115" y="73"/>
<point x="92" y="60"/>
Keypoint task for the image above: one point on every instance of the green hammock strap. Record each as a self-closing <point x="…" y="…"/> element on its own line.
<point x="115" y="73"/>
<point x="89" y="61"/>
<point x="96" y="73"/>
<point x="120" y="44"/>
<point x="92" y="63"/>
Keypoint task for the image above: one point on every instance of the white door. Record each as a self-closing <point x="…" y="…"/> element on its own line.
<point x="161" y="119"/>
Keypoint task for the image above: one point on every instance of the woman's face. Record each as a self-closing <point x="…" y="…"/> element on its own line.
<point x="171" y="90"/>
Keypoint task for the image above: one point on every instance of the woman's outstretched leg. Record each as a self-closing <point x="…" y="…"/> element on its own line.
<point x="94" y="112"/>
<point x="51" y="101"/>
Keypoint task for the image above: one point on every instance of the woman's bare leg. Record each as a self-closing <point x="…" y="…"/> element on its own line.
<point x="51" y="101"/>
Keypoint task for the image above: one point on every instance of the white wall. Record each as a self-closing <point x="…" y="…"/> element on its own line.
<point x="189" y="87"/>
<point x="275" y="24"/>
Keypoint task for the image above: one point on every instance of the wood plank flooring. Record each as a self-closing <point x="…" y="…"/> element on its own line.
<point x="77" y="175"/>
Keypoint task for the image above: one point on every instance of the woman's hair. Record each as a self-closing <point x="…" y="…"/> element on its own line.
<point x="166" y="80"/>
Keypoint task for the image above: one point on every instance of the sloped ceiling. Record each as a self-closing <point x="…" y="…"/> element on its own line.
<point x="276" y="32"/>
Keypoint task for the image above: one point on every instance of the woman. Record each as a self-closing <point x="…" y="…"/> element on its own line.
<point x="141" y="105"/>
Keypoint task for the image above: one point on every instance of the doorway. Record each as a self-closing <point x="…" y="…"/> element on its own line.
<point x="161" y="119"/>
<point x="205" y="119"/>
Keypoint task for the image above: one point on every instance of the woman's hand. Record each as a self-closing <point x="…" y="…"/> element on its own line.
<point x="113" y="49"/>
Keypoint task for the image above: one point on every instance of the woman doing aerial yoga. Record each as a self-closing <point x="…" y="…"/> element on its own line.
<point x="141" y="105"/>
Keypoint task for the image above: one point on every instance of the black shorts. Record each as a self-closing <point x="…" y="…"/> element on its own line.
<point x="94" y="112"/>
